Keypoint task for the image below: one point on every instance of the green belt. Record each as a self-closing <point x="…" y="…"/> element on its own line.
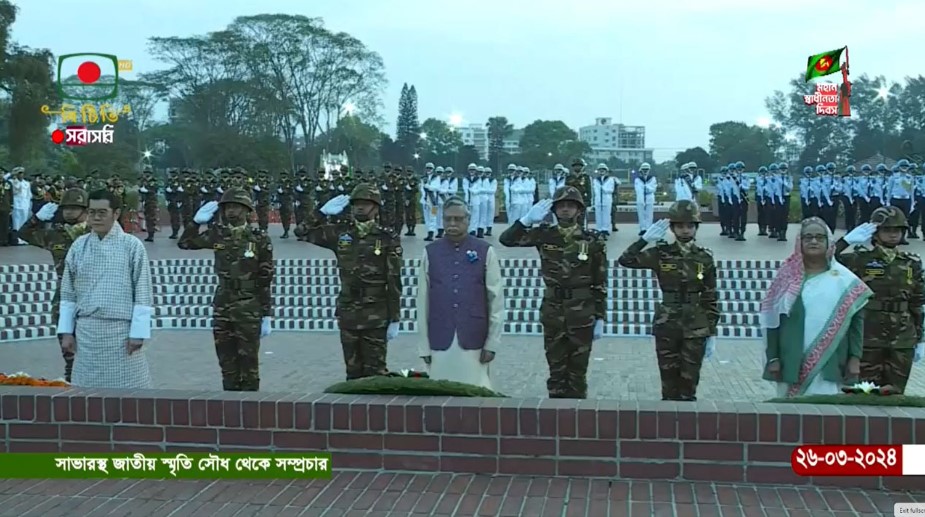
<point x="566" y="293"/>
<point x="237" y="284"/>
<point x="678" y="297"/>
<point x="885" y="306"/>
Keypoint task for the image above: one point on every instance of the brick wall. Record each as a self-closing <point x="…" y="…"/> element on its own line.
<point x="733" y="442"/>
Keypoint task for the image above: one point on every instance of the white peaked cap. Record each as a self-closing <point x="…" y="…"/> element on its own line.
<point x="428" y="165"/>
<point x="440" y="169"/>
<point x="512" y="167"/>
<point x="645" y="166"/>
<point x="473" y="166"/>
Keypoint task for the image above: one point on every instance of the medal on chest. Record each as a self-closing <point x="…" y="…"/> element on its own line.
<point x="249" y="252"/>
<point x="699" y="271"/>
<point x="583" y="251"/>
<point x="377" y="250"/>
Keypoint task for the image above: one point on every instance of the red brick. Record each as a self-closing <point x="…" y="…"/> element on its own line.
<point x="363" y="441"/>
<point x="748" y="427"/>
<point x="527" y="447"/>
<point x="300" y="440"/>
<point x="433" y="419"/>
<point x="112" y="410"/>
<point x="529" y="420"/>
<point x="27" y="408"/>
<point x="586" y="468"/>
<point x="713" y="473"/>
<point x="727" y="427"/>
<point x="488" y="420"/>
<point x="667" y="425"/>
<point x="468" y="464"/>
<point x="28" y="446"/>
<point x="627" y="423"/>
<point x="648" y="425"/>
<point x="395" y="419"/>
<point x="250" y="414"/>
<point x="591" y="448"/>
<point x="649" y="450"/>
<point x="78" y="409"/>
<point x="527" y="466"/>
<point x="901" y="431"/>
<point x="637" y="470"/>
<point x="714" y="451"/>
<point x="85" y="447"/>
<point x="180" y="412"/>
<point x="771" y="475"/>
<point x="137" y="433"/>
<point x="375" y="418"/>
<point x="469" y="445"/>
<point x="790" y="429"/>
<point x="43" y="409"/>
<point x="769" y="453"/>
<point x="145" y="411"/>
<point x="246" y="437"/>
<point x="359" y="414"/>
<point x="607" y="425"/>
<point x="86" y="433"/>
<point x="414" y="419"/>
<point x="162" y="414"/>
<point x="507" y="421"/>
<point x="767" y="428"/>
<point x="566" y="422"/>
<point x="413" y="462"/>
<point x="357" y="460"/>
<point x="9" y="407"/>
<point x="94" y="409"/>
<point x="340" y="417"/>
<point x="196" y="435"/>
<point x="687" y="426"/>
<point x="198" y="413"/>
<point x="812" y="429"/>
<point x="60" y="409"/>
<point x="408" y="442"/>
<point x="33" y="431"/>
<point x="587" y="423"/>
<point x="137" y="447"/>
<point x="231" y="413"/>
<point x="855" y="430"/>
<point x="302" y="414"/>
<point x="707" y="426"/>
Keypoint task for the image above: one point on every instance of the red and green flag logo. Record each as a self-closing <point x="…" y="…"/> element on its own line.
<point x="823" y="64"/>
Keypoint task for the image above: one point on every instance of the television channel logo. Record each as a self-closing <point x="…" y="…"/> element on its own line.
<point x="90" y="76"/>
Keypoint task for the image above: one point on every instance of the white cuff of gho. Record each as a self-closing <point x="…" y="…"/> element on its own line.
<point x="141" y="322"/>
<point x="66" y="318"/>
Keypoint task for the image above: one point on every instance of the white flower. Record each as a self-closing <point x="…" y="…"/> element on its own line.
<point x="19" y="374"/>
<point x="866" y="387"/>
<point x="248" y="254"/>
<point x="405" y="373"/>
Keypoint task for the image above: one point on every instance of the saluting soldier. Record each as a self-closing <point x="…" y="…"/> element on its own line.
<point x="189" y="197"/>
<point x="574" y="267"/>
<point x="581" y="180"/>
<point x="242" y="308"/>
<point x="685" y="321"/>
<point x="148" y="189"/>
<point x="411" y="193"/>
<point x="68" y="221"/>
<point x="369" y="258"/>
<point x="284" y="195"/>
<point x="302" y="201"/>
<point x="893" y="316"/>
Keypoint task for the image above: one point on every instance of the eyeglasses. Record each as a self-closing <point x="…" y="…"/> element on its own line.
<point x="810" y="237"/>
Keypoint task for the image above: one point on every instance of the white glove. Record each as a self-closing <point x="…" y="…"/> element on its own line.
<point x="598" y="330"/>
<point x="168" y="189"/>
<point x="180" y="189"/>
<point x="336" y="205"/>
<point x="537" y="213"/>
<point x="142" y="190"/>
<point x="266" y="326"/>
<point x="206" y="213"/>
<point x="256" y="188"/>
<point x="919" y="352"/>
<point x="47" y="212"/>
<point x="862" y="234"/>
<point x="392" y="332"/>
<point x="711" y="347"/>
<point x="657" y="231"/>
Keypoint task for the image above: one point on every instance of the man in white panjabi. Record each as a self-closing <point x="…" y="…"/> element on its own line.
<point x="460" y="302"/>
<point x="107" y="302"/>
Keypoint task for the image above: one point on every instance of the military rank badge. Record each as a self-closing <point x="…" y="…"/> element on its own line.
<point x="344" y="240"/>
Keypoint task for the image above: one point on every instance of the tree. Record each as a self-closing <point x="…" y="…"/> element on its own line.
<point x="541" y="144"/>
<point x="407" y="129"/>
<point x="441" y="144"/>
<point x="467" y="154"/>
<point x="736" y="141"/>
<point x="358" y="139"/>
<point x="697" y="155"/>
<point x="498" y="130"/>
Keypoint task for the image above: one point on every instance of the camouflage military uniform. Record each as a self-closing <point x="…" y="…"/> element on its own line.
<point x="189" y="198"/>
<point x="148" y="191"/>
<point x="38" y="193"/>
<point x="581" y="181"/>
<point x="369" y="257"/>
<point x="244" y="267"/>
<point x="303" y="197"/>
<point x="688" y="313"/>
<point x="323" y="192"/>
<point x="394" y="198"/>
<point x="574" y="267"/>
<point x="893" y="316"/>
<point x="6" y="212"/>
<point x="57" y="239"/>
<point x="173" y="196"/>
<point x="410" y="194"/>
<point x="284" y="194"/>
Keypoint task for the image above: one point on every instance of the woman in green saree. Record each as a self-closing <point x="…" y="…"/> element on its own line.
<point x="812" y="318"/>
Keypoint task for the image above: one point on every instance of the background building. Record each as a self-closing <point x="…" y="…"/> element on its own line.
<point x="512" y="142"/>
<point x="475" y="135"/>
<point x="609" y="140"/>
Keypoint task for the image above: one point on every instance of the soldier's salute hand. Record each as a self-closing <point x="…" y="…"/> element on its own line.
<point x="537" y="213"/>
<point x="336" y="205"/>
<point x="47" y="212"/>
<point x="206" y="213"/>
<point x="861" y="235"/>
<point x="657" y="231"/>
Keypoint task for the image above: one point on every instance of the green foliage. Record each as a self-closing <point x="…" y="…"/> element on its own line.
<point x="699" y="156"/>
<point x="498" y="130"/>
<point x="442" y="143"/>
<point x="734" y="141"/>
<point x="411" y="387"/>
<point x="856" y="400"/>
<point x="546" y="142"/>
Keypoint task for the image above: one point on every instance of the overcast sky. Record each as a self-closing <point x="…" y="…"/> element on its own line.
<point x="673" y="66"/>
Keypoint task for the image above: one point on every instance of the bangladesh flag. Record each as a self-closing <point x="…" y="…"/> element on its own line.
<point x="824" y="64"/>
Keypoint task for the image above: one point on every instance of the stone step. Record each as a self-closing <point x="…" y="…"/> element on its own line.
<point x="306" y="325"/>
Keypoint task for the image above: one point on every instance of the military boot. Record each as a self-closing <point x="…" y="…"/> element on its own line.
<point x="762" y="231"/>
<point x="439" y="234"/>
<point x="782" y="236"/>
<point x="150" y="236"/>
<point x="740" y="236"/>
<point x="430" y="236"/>
<point x="410" y="231"/>
<point x="488" y="231"/>
<point x="285" y="234"/>
<point x="472" y="233"/>
<point x="480" y="233"/>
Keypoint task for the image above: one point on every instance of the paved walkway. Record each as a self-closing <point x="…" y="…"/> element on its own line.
<point x="621" y="368"/>
<point x="385" y="495"/>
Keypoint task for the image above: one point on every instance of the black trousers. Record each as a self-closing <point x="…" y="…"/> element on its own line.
<point x="905" y="206"/>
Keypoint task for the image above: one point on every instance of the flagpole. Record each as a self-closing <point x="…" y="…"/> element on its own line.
<point x="847" y="61"/>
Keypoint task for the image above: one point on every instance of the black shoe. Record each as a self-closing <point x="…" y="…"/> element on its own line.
<point x="912" y="235"/>
<point x="488" y="232"/>
<point x="285" y="235"/>
<point x="480" y="233"/>
<point x="782" y="238"/>
<point x="740" y="237"/>
<point x="723" y="233"/>
<point x="439" y="234"/>
<point x="430" y="237"/>
<point x="762" y="233"/>
<point x="642" y="233"/>
<point x="174" y="236"/>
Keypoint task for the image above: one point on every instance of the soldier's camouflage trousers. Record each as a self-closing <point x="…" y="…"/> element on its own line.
<point x="568" y="352"/>
<point x="263" y="217"/>
<point x="68" y="361"/>
<point x="364" y="352"/>
<point x="887" y="366"/>
<point x="285" y="216"/>
<point x="411" y="216"/>
<point x="679" y="362"/>
<point x="237" y="345"/>
<point x="174" y="220"/>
